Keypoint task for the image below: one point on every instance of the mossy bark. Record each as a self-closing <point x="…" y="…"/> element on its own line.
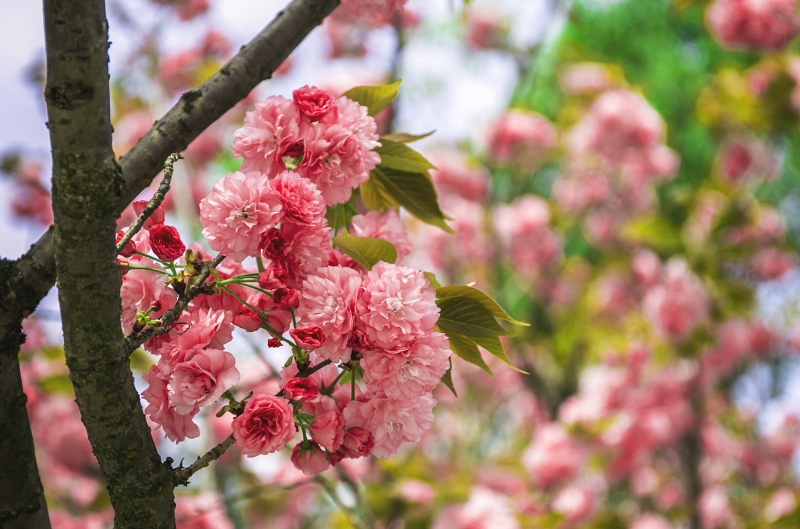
<point x="87" y="184"/>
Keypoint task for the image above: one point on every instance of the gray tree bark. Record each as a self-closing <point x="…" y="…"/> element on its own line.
<point x="87" y="184"/>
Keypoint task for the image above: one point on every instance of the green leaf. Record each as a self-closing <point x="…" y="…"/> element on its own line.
<point x="493" y="345"/>
<point x="57" y="384"/>
<point x="481" y="297"/>
<point x="415" y="192"/>
<point x="447" y="379"/>
<point x="375" y="98"/>
<point x="465" y="349"/>
<point x="376" y="197"/>
<point x="656" y="232"/>
<point x="467" y="316"/>
<point x="395" y="155"/>
<point x="432" y="278"/>
<point x="366" y="251"/>
<point x="404" y="137"/>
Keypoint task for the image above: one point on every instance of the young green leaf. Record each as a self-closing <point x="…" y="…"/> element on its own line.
<point x="493" y="345"/>
<point x="467" y="350"/>
<point x="467" y="316"/>
<point x="375" y="196"/>
<point x="447" y="379"/>
<point x="415" y="192"/>
<point x="375" y="98"/>
<point x="395" y="155"/>
<point x="404" y="137"/>
<point x="365" y="250"/>
<point x="481" y="297"/>
<point x="432" y="278"/>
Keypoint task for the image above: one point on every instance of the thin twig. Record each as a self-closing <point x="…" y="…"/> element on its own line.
<point x="134" y="340"/>
<point x="182" y="475"/>
<point x="154" y="202"/>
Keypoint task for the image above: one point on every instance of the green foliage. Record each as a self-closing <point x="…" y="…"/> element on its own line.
<point x="396" y="155"/>
<point x="375" y="98"/>
<point x="412" y="190"/>
<point x="404" y="137"/>
<point x="482" y="298"/>
<point x="366" y="251"/>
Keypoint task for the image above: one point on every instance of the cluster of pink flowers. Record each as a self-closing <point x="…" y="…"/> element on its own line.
<point x="522" y="137"/>
<point x="760" y="24"/>
<point x="523" y="228"/>
<point x="377" y="324"/>
<point x="326" y="140"/>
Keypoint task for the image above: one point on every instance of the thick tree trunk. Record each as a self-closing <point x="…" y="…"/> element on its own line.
<point x="87" y="184"/>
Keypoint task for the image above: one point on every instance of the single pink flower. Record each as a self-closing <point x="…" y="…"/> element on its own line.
<point x="300" y="250"/>
<point x="177" y="427"/>
<point x="309" y="458"/>
<point x="302" y="202"/>
<point x="553" y="456"/>
<point x="678" y="304"/>
<point x="308" y="337"/>
<point x="201" y="378"/>
<point x="397" y="305"/>
<point x="392" y="422"/>
<point x="300" y="389"/>
<point x="272" y="128"/>
<point x="328" y="430"/>
<point x="328" y="299"/>
<point x="265" y="426"/>
<point x="408" y="375"/>
<point x="241" y="207"/>
<point x="165" y="241"/>
<point x="357" y="442"/>
<point x="312" y="102"/>
<point x="766" y="24"/>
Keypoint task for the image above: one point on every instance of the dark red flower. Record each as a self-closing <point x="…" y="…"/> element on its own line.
<point x="166" y="242"/>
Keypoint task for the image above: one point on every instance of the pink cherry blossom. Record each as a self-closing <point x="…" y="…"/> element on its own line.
<point x="523" y="229"/>
<point x="585" y="78"/>
<point x="303" y="252"/>
<point x="270" y="131"/>
<point x="301" y="200"/>
<point x="265" y="426"/>
<point x="553" y="456"/>
<point x="764" y="24"/>
<point x="312" y="102"/>
<point x="576" y="502"/>
<point x="392" y="422"/>
<point x="335" y="160"/>
<point x="408" y="375"/>
<point x="357" y="442"/>
<point x="309" y="458"/>
<point x="241" y="207"/>
<point x="201" y="378"/>
<point x="140" y="289"/>
<point x="397" y="305"/>
<point x="486" y="509"/>
<point x="459" y="176"/>
<point x="327" y="430"/>
<point x="386" y="226"/>
<point x="650" y="521"/>
<point x="771" y="263"/>
<point x="177" y="427"/>
<point x="329" y="299"/>
<point x="376" y="12"/>
<point x="519" y="133"/>
<point x="678" y="304"/>
<point x="204" y="511"/>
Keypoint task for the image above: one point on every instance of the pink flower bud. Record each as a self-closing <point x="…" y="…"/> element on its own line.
<point x="309" y="337"/>
<point x="166" y="242"/>
<point x="309" y="458"/>
<point x="328" y="430"/>
<point x="299" y="389"/>
<point x="273" y="342"/>
<point x="286" y="298"/>
<point x="265" y="426"/>
<point x="129" y="249"/>
<point x="156" y="218"/>
<point x="357" y="442"/>
<point x="312" y="102"/>
<point x="272" y="278"/>
<point x="247" y="319"/>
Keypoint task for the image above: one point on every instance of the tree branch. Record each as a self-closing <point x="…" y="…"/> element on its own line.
<point x="168" y="318"/>
<point x="87" y="184"/>
<point x="152" y="205"/>
<point x="182" y="475"/>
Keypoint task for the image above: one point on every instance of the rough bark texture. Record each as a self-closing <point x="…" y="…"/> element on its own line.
<point x="22" y="504"/>
<point x="87" y="184"/>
